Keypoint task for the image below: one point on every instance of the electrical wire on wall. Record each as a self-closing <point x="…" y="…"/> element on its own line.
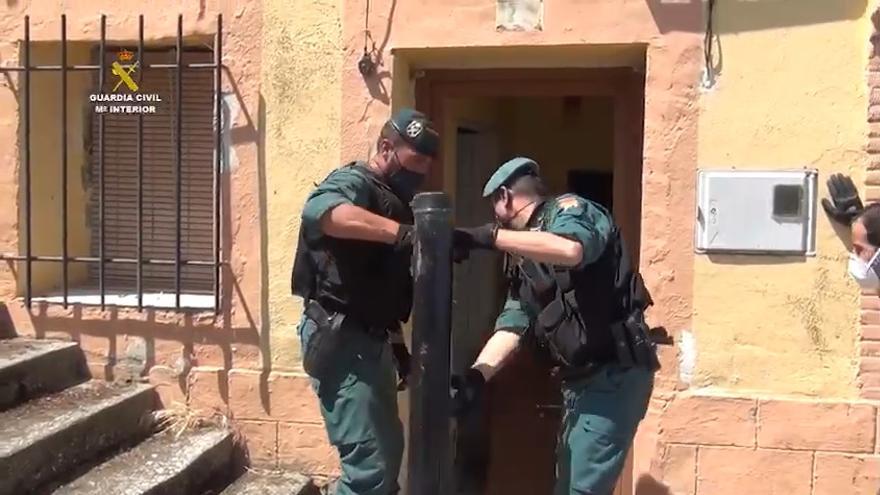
<point x="366" y="65"/>
<point x="709" y="69"/>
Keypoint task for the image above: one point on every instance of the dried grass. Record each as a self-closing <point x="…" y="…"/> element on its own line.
<point x="180" y="418"/>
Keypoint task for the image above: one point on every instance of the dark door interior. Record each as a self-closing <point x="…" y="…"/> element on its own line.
<point x="595" y="186"/>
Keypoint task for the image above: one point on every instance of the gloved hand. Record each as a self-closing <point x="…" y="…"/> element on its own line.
<point x="482" y="237"/>
<point x="404" y="363"/>
<point x="404" y="239"/>
<point x="844" y="205"/>
<point x="468" y="389"/>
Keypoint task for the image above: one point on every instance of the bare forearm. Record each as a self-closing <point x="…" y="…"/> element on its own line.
<point x="542" y="247"/>
<point x="496" y="353"/>
<point x="352" y="222"/>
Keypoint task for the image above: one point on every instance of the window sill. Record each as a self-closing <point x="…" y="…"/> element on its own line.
<point x="155" y="300"/>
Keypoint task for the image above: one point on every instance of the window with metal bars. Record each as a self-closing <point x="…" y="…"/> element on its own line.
<point x="158" y="193"/>
<point x="154" y="181"/>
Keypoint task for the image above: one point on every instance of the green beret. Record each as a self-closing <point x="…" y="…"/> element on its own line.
<point x="510" y="171"/>
<point x="417" y="131"/>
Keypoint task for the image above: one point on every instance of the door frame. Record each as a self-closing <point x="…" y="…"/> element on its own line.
<point x="625" y="85"/>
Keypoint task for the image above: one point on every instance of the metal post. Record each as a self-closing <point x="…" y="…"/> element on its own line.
<point x="430" y="461"/>
<point x="26" y="96"/>
<point x="218" y="116"/>
<point x="64" y="248"/>
<point x="102" y="57"/>
<point x="139" y="270"/>
<point x="178" y="169"/>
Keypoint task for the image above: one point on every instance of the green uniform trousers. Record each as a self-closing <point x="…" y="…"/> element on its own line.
<point x="600" y="419"/>
<point x="358" y="401"/>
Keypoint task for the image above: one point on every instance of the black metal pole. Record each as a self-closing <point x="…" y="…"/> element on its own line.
<point x="140" y="174"/>
<point x="178" y="169"/>
<point x="102" y="57"/>
<point x="64" y="249"/>
<point x="218" y="116"/>
<point x="430" y="461"/>
<point x="26" y="97"/>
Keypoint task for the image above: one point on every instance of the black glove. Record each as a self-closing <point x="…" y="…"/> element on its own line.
<point x="482" y="237"/>
<point x="844" y="205"/>
<point x="404" y="363"/>
<point x="404" y="239"/>
<point x="468" y="390"/>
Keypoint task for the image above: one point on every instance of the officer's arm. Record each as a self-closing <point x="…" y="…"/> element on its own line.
<point x="347" y="221"/>
<point x="543" y="247"/>
<point x="337" y="208"/>
<point x="587" y="225"/>
<point x="510" y="326"/>
<point x="496" y="352"/>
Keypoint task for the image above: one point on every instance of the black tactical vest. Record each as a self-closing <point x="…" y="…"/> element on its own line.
<point x="575" y="310"/>
<point x="368" y="281"/>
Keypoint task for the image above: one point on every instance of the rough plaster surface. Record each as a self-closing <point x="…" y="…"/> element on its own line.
<point x="776" y="324"/>
<point x="302" y="90"/>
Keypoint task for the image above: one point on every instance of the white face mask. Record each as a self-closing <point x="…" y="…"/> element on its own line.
<point x="864" y="273"/>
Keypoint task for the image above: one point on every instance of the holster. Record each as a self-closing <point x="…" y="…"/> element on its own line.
<point x="324" y="342"/>
<point x="633" y="342"/>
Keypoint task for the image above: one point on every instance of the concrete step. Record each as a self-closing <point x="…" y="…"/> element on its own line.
<point x="43" y="438"/>
<point x="164" y="464"/>
<point x="30" y="368"/>
<point x="272" y="483"/>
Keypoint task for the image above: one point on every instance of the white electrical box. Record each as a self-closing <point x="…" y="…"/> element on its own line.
<point x="756" y="212"/>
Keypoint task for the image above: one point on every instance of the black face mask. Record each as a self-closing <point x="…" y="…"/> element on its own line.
<point x="405" y="182"/>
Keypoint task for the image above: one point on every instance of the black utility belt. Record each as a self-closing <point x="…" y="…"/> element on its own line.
<point x="316" y="310"/>
<point x="570" y="374"/>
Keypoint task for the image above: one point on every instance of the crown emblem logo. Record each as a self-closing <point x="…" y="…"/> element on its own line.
<point x="125" y="55"/>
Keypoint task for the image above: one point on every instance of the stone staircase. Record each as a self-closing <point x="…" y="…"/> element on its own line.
<point x="63" y="433"/>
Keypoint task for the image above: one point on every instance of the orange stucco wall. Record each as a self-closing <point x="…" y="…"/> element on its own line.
<point x="304" y="108"/>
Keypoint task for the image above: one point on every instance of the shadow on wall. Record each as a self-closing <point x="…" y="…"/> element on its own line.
<point x="755" y="259"/>
<point x="375" y="81"/>
<point x="647" y="485"/>
<point x="734" y="16"/>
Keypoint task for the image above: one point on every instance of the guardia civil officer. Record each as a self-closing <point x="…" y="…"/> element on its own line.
<point x="574" y="294"/>
<point x="352" y="270"/>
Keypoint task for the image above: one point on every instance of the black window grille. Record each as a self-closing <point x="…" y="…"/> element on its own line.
<point x="141" y="180"/>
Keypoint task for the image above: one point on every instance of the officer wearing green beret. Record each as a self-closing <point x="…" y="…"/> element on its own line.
<point x="352" y="269"/>
<point x="573" y="293"/>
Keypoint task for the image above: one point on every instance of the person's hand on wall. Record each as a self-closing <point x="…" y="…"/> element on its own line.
<point x="845" y="204"/>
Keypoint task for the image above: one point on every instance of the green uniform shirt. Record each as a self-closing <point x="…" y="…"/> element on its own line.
<point x="569" y="216"/>
<point x="343" y="186"/>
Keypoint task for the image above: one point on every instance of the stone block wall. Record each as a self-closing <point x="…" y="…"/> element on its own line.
<point x="716" y="445"/>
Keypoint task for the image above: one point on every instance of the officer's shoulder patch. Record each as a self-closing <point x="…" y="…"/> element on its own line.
<point x="566" y="202"/>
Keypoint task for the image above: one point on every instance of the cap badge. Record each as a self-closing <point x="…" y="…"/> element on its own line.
<point x="414" y="128"/>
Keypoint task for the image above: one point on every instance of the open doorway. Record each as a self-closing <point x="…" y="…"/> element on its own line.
<point x="584" y="128"/>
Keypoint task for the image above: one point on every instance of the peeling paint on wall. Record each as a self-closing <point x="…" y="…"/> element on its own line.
<point x="687" y="356"/>
<point x="519" y="15"/>
<point x="231" y="109"/>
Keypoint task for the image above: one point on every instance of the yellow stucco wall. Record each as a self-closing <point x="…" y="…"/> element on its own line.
<point x="791" y="94"/>
<point x="302" y="96"/>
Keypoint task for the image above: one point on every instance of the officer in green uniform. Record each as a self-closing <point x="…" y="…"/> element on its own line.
<point x="574" y="294"/>
<point x="352" y="269"/>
